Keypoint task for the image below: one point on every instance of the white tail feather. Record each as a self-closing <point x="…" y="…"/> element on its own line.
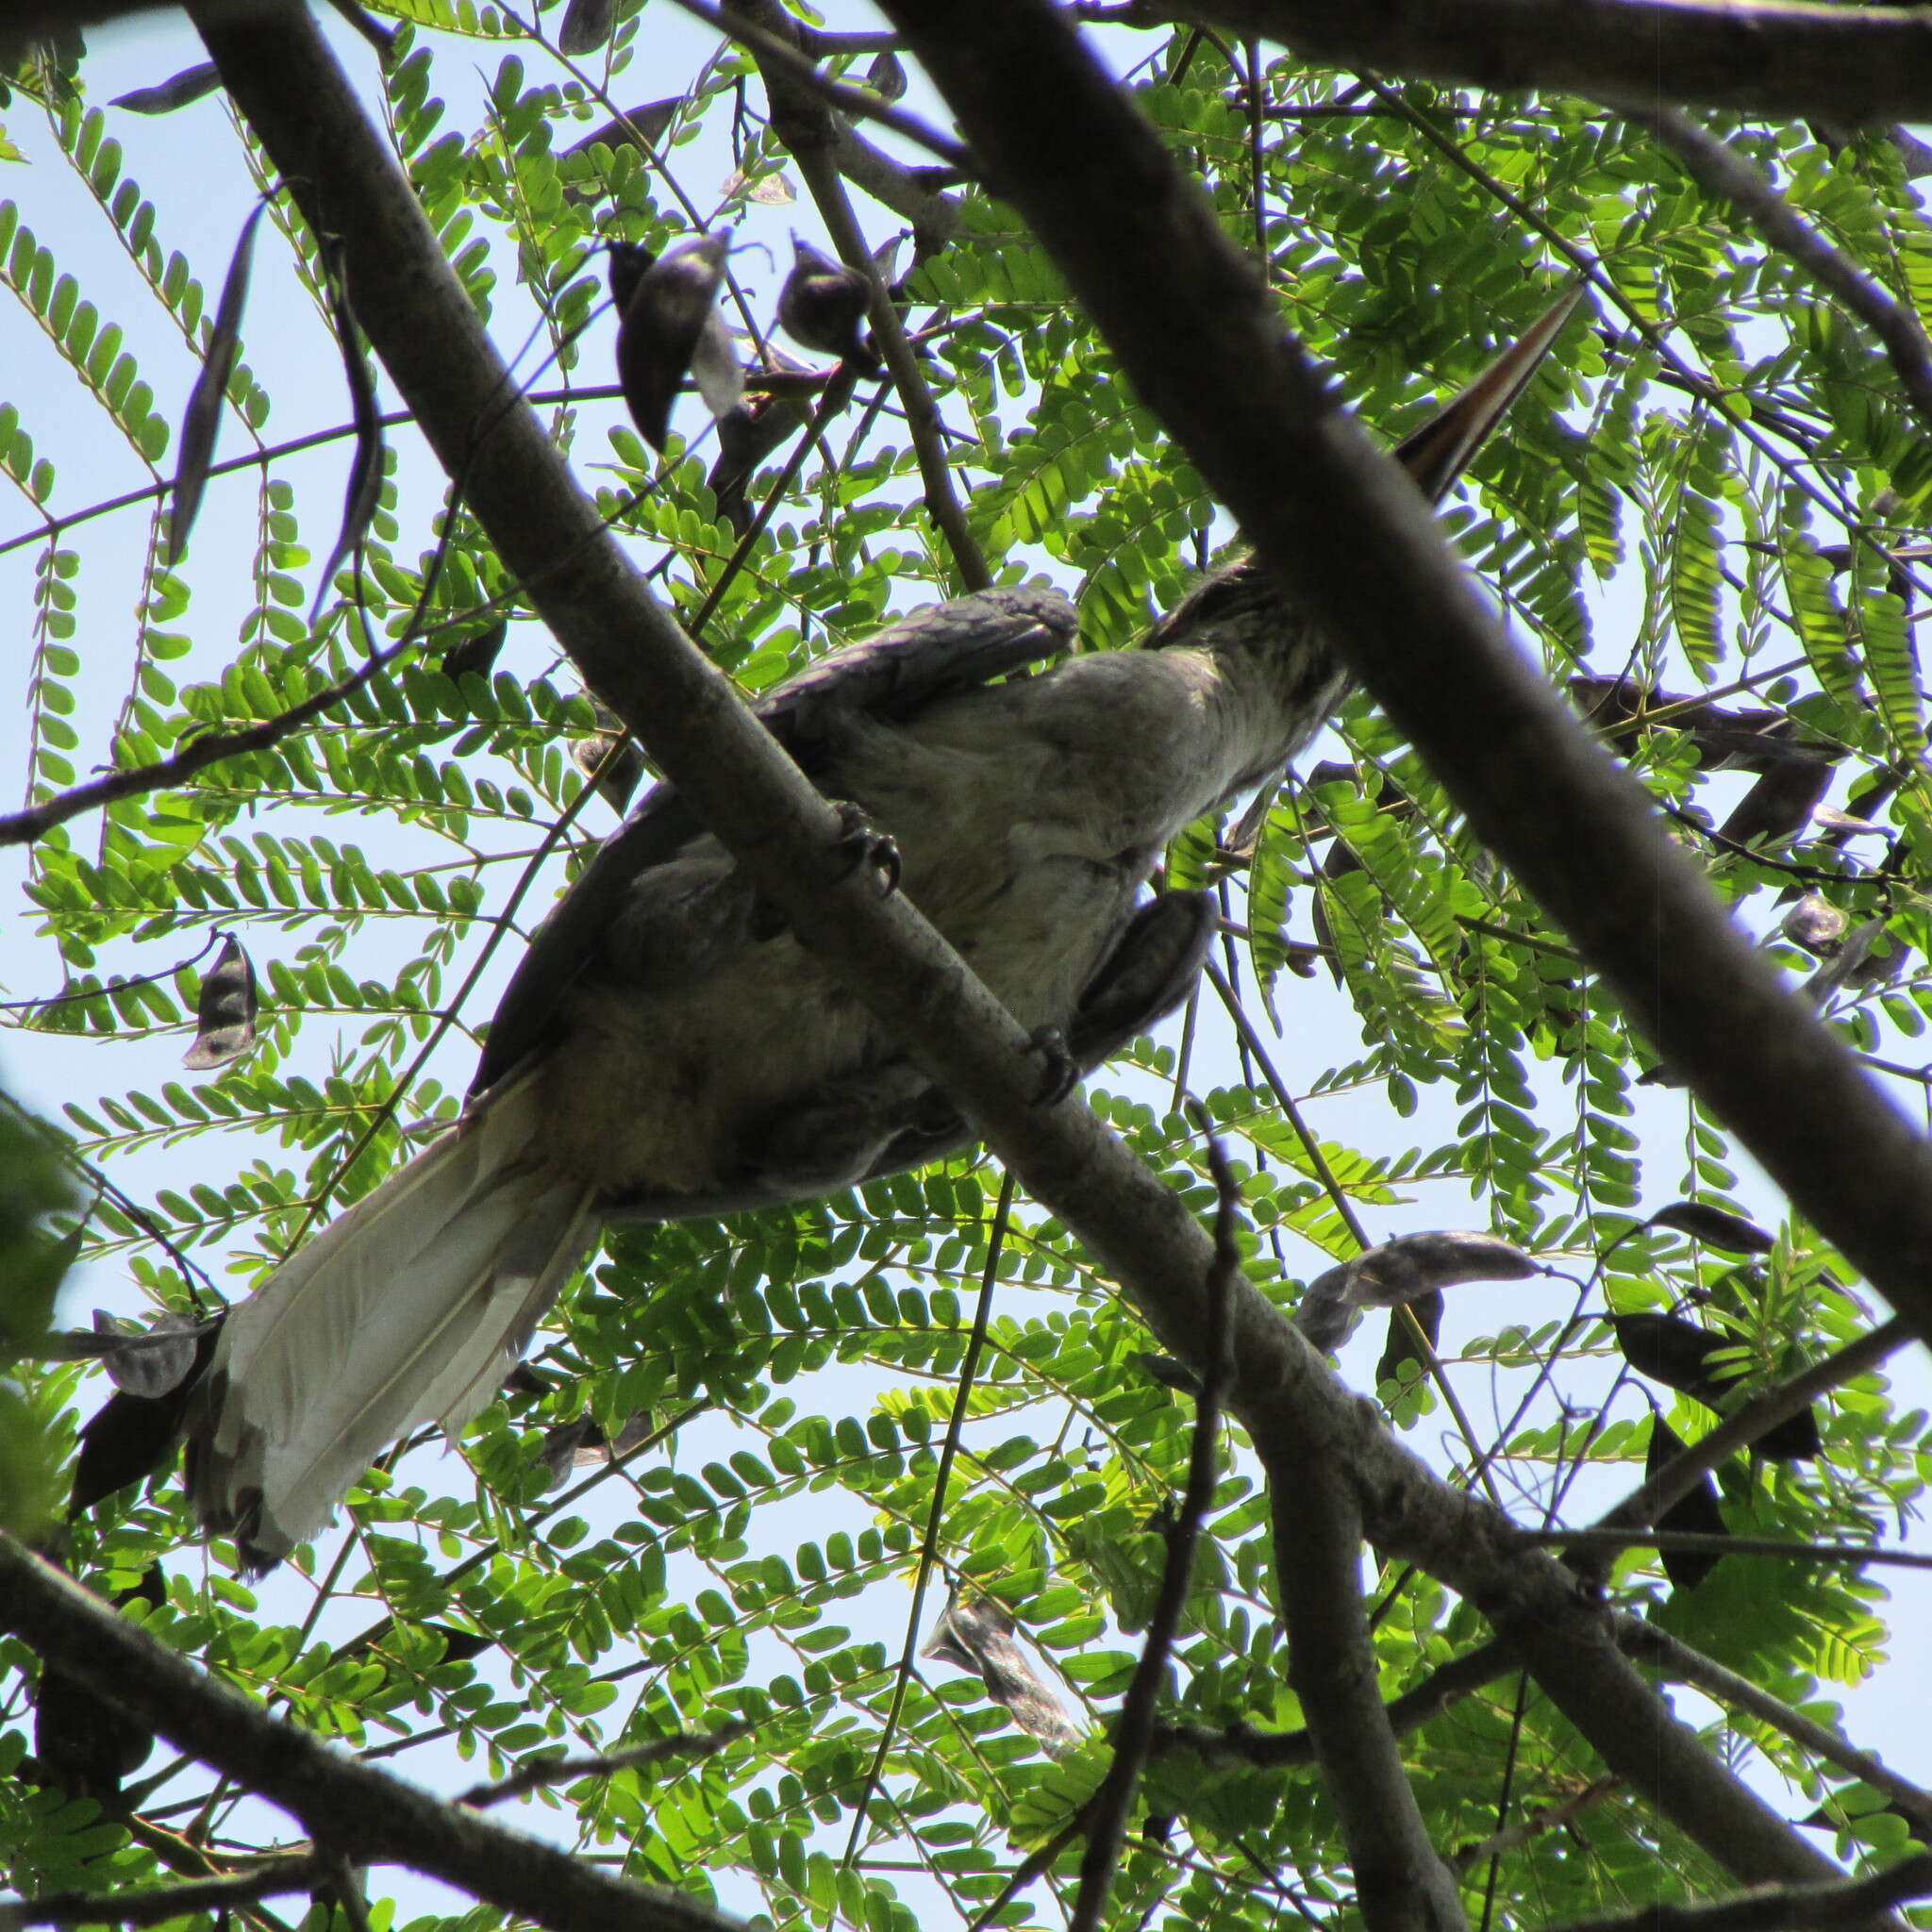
<point x="409" y="1308"/>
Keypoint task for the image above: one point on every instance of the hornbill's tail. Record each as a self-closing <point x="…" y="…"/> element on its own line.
<point x="409" y="1308"/>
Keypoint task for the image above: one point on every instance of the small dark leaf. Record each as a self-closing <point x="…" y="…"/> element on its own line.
<point x="1400" y="1349"/>
<point x="149" y="1362"/>
<point x="364" y="488"/>
<point x="477" y="653"/>
<point x="83" y="1745"/>
<point x="224" y="1014"/>
<point x="130" y="1437"/>
<point x="1715" y="1228"/>
<point x="886" y="77"/>
<point x="203" y="415"/>
<point x="977" y="1634"/>
<point x="1781" y="802"/>
<point x="566" y="1444"/>
<point x="823" y="306"/>
<point x="645" y="124"/>
<point x="1681" y="1356"/>
<point x="587" y="26"/>
<point x="178" y="90"/>
<point x="1696" y="1512"/>
<point x="669" y="315"/>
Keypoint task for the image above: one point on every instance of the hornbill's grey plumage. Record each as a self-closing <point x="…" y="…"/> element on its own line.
<point x="665" y="1050"/>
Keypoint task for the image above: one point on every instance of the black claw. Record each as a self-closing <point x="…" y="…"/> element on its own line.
<point x="867" y="846"/>
<point x="1060" y="1071"/>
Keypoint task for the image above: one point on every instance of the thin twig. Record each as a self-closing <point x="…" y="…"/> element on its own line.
<point x="1134" y="1734"/>
<point x="800" y="66"/>
<point x="540" y="1772"/>
<point x="1533" y="1826"/>
<point x="161" y="1903"/>
<point x="1237" y="1744"/>
<point x="929" y="1549"/>
<point x="1695" y="1543"/>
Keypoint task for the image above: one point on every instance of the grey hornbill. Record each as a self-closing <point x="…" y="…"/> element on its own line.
<point x="664" y="1049"/>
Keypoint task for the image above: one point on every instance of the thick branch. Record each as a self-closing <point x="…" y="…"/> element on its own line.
<point x="1400" y="1879"/>
<point x="1857" y="64"/>
<point x="349" y="1806"/>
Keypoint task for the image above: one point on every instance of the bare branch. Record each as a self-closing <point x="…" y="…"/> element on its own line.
<point x="1719" y="169"/>
<point x="161" y="1903"/>
<point x="210" y="748"/>
<point x="1678" y="1661"/>
<point x="797" y="63"/>
<point x="1858" y="64"/>
<point x="1843" y="1902"/>
<point x="1697" y="1543"/>
<point x="428" y="335"/>
<point x="1411" y="1711"/>
<point x="1107" y="1824"/>
<point x="1544" y="1818"/>
<point x="1198" y="334"/>
<point x="694" y="1746"/>
<point x="359" y="1811"/>
<point x="808" y="127"/>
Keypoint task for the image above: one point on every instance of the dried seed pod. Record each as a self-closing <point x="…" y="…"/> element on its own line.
<point x="671" y="329"/>
<point x="224" y="1014"/>
<point x="823" y="306"/>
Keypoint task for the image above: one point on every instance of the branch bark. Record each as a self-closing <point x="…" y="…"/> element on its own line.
<point x="348" y="1807"/>
<point x="1855" y="64"/>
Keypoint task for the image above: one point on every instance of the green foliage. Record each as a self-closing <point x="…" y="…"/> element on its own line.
<point x="796" y="1371"/>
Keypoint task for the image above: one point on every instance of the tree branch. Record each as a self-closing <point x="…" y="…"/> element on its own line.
<point x="1857" y="64"/>
<point x="1681" y="1474"/>
<point x="1193" y="325"/>
<point x="809" y="128"/>
<point x="1107" y="1812"/>
<point x="786" y="836"/>
<point x="1842" y="1901"/>
<point x="1719" y="169"/>
<point x="1678" y="1661"/>
<point x="1411" y="1711"/>
<point x="161" y="1903"/>
<point x="211" y="748"/>
<point x="351" y="1807"/>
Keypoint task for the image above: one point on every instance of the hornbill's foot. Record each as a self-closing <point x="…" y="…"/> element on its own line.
<point x="1060" y="1071"/>
<point x="865" y="844"/>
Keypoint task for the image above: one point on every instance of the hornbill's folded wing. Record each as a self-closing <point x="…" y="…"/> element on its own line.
<point x="932" y="654"/>
<point x="1151" y="969"/>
